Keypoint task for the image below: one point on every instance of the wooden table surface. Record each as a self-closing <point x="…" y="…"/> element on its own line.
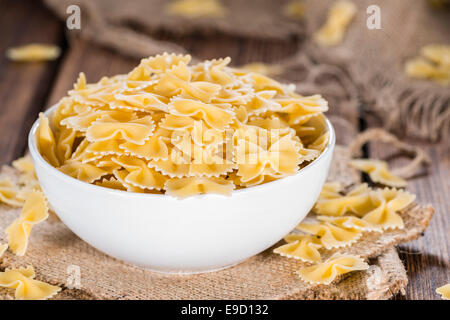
<point x="28" y="88"/>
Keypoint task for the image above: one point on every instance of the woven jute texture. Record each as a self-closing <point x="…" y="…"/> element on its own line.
<point x="56" y="252"/>
<point x="366" y="71"/>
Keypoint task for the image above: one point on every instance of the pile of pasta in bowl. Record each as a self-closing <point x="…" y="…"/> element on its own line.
<point x="168" y="127"/>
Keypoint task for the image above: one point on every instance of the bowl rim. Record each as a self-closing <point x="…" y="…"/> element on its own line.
<point x="36" y="156"/>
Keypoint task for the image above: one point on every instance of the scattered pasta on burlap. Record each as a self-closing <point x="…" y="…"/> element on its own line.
<point x="33" y="52"/>
<point x="339" y="17"/>
<point x="378" y="172"/>
<point x="340" y="219"/>
<point x="301" y="247"/>
<point x="26" y="287"/>
<point x="444" y="291"/>
<point x="378" y="208"/>
<point x="34" y="211"/>
<point x="172" y="128"/>
<point x="294" y="9"/>
<point x="196" y="8"/>
<point x="328" y="271"/>
<point x="432" y="64"/>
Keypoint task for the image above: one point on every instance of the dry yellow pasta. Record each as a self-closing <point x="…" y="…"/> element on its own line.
<point x="340" y="15"/>
<point x="180" y="129"/>
<point x="378" y="171"/>
<point x="331" y="236"/>
<point x="328" y="271"/>
<point x="34" y="52"/>
<point x="294" y="9"/>
<point x="26" y="287"/>
<point x="35" y="210"/>
<point x="444" y="291"/>
<point x="433" y="64"/>
<point x="377" y="208"/>
<point x="304" y="248"/>
<point x="197" y="8"/>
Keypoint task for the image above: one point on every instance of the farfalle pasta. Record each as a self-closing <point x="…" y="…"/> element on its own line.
<point x="302" y="247"/>
<point x="331" y="236"/>
<point x="378" y="209"/>
<point x="34" y="52"/>
<point x="340" y="15"/>
<point x="444" y="291"/>
<point x="35" y="210"/>
<point x="26" y="287"/>
<point x="378" y="171"/>
<point x="328" y="271"/>
<point x="173" y="128"/>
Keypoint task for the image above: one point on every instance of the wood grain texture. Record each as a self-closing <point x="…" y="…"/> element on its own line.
<point x="23" y="86"/>
<point x="427" y="260"/>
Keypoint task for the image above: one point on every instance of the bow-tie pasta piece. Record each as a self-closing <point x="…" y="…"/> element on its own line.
<point x="103" y="148"/>
<point x="444" y="291"/>
<point x="386" y="205"/>
<point x="332" y="268"/>
<point x="172" y="122"/>
<point x="186" y="187"/>
<point x="9" y="193"/>
<point x="33" y="52"/>
<point x="64" y="143"/>
<point x="46" y="141"/>
<point x="206" y="164"/>
<point x="155" y="148"/>
<point x="355" y="201"/>
<point x="300" y="109"/>
<point x="196" y="8"/>
<point x="340" y="15"/>
<point x="120" y="175"/>
<point x="142" y="102"/>
<point x="216" y="117"/>
<point x="350" y="222"/>
<point x="214" y="71"/>
<point x="331" y="236"/>
<point x="282" y="157"/>
<point x="378" y="171"/>
<point x="263" y="83"/>
<point x="136" y="131"/>
<point x="331" y="190"/>
<point x="156" y="65"/>
<point x="262" y="102"/>
<point x="177" y="81"/>
<point x="139" y="174"/>
<point x="35" y="210"/>
<point x="100" y="94"/>
<point x="111" y="183"/>
<point x="304" y="248"/>
<point x="176" y="166"/>
<point x="26" y="287"/>
<point x="82" y="171"/>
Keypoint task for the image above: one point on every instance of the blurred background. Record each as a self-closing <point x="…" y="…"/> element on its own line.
<point x="380" y="63"/>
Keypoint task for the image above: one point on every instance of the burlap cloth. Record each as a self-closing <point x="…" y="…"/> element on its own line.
<point x="365" y="71"/>
<point x="54" y="250"/>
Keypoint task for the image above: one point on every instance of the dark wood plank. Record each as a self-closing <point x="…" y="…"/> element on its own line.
<point x="23" y="86"/>
<point x="427" y="259"/>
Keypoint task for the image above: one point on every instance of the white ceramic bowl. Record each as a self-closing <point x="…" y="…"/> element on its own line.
<point x="197" y="234"/>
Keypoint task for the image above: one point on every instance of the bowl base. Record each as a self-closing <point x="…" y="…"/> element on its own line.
<point x="182" y="272"/>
